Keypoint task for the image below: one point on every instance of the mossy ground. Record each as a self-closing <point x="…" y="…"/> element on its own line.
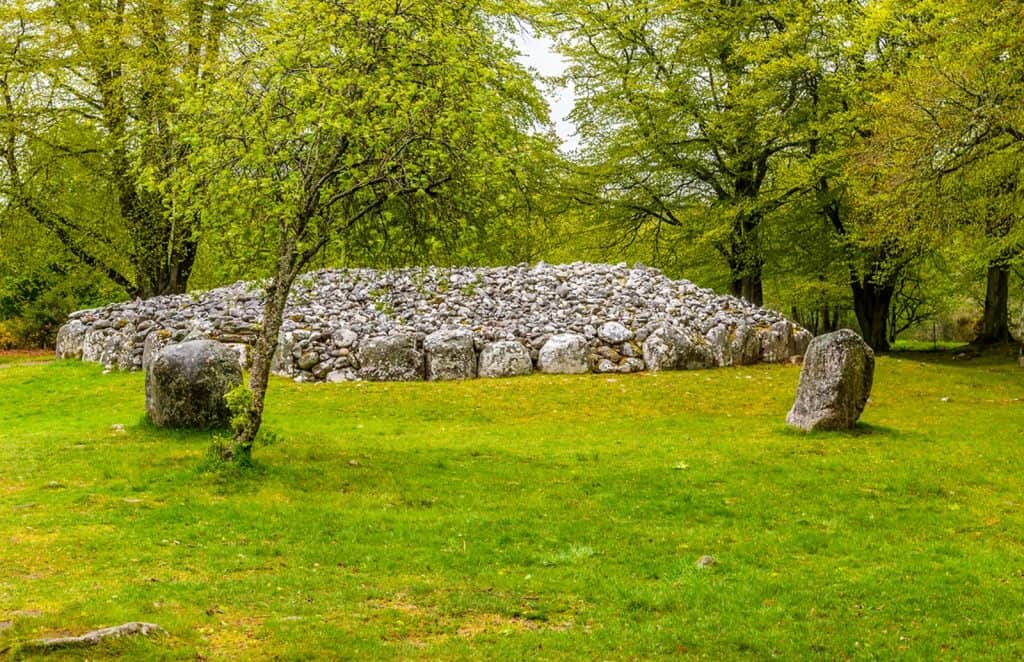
<point x="554" y="517"/>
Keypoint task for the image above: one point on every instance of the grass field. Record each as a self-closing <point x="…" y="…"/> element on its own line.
<point x="540" y="517"/>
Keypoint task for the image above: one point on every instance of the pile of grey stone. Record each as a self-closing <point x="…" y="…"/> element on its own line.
<point x="454" y="323"/>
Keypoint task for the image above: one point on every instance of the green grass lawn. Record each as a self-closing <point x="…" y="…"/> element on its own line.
<point x="551" y="517"/>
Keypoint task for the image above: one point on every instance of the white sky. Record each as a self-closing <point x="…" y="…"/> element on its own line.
<point x="539" y="54"/>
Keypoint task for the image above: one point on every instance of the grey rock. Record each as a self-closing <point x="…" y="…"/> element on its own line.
<point x="614" y="333"/>
<point x="155" y="341"/>
<point x="564" y="353"/>
<point x="70" y="339"/>
<point x="344" y="338"/>
<point x="450" y="355"/>
<point x="391" y="358"/>
<point x="835" y="382"/>
<point x="505" y="358"/>
<point x="661" y="347"/>
<point x="669" y="348"/>
<point x="800" y="341"/>
<point x="186" y="384"/>
<point x="746" y="345"/>
<point x="282" y="363"/>
<point x="307" y="360"/>
<point x="776" y="341"/>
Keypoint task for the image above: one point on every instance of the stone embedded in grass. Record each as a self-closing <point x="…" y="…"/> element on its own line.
<point x="505" y="358"/>
<point x="186" y="383"/>
<point x="565" y="353"/>
<point x="706" y="561"/>
<point x="395" y="358"/>
<point x="450" y="355"/>
<point x="835" y="382"/>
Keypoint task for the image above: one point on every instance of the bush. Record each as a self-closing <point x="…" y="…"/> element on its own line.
<point x="33" y="305"/>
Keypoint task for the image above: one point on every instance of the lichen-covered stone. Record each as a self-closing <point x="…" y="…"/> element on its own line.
<point x="450" y="355"/>
<point x="835" y="382"/>
<point x="668" y="348"/>
<point x="156" y="340"/>
<point x="186" y="383"/>
<point x="614" y="333"/>
<point x="70" y="339"/>
<point x="505" y="358"/>
<point x="565" y="353"/>
<point x="395" y="358"/>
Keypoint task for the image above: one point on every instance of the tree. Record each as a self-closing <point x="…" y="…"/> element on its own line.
<point x="686" y="107"/>
<point x="344" y="114"/>
<point x="950" y="125"/>
<point x="89" y="94"/>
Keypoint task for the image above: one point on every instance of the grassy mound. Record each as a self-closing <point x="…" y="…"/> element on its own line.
<point x="559" y="517"/>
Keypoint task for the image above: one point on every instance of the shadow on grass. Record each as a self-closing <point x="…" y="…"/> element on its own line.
<point x="861" y="429"/>
<point x="969" y="356"/>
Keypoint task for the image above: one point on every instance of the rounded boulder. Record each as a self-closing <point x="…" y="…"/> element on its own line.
<point x="186" y="384"/>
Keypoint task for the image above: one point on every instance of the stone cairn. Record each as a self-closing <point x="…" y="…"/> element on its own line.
<point x="452" y="323"/>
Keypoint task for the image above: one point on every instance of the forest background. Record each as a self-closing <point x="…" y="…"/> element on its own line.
<point x="849" y="163"/>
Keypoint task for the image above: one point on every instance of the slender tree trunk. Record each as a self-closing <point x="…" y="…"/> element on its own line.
<point x="266" y="344"/>
<point x="871" y="303"/>
<point x="995" y="323"/>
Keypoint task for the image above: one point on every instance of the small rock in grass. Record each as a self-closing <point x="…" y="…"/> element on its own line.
<point x="706" y="561"/>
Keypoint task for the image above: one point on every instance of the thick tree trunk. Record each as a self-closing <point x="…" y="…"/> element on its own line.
<point x="995" y="326"/>
<point x="746" y="263"/>
<point x="871" y="303"/>
<point x="749" y="287"/>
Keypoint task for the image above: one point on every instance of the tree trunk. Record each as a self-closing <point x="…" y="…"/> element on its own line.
<point x="995" y="326"/>
<point x="749" y="288"/>
<point x="266" y="344"/>
<point x="871" y="303"/>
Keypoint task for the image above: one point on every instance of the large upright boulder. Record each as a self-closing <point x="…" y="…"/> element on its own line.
<point x="186" y="384"/>
<point x="565" y="353"/>
<point x="450" y="355"/>
<point x="396" y="358"/>
<point x="71" y="339"/>
<point x="835" y="382"/>
<point x="505" y="358"/>
<point x="669" y="348"/>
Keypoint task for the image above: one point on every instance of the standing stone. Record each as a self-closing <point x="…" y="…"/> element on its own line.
<point x="186" y="384"/>
<point x="282" y="362"/>
<point x="746" y="345"/>
<point x="505" y="358"/>
<point x="391" y="359"/>
<point x="565" y="353"/>
<point x="835" y="382"/>
<point x="775" y="341"/>
<point x="70" y="339"/>
<point x="450" y="355"/>
<point x="668" y="348"/>
<point x="661" y="348"/>
<point x="155" y="341"/>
